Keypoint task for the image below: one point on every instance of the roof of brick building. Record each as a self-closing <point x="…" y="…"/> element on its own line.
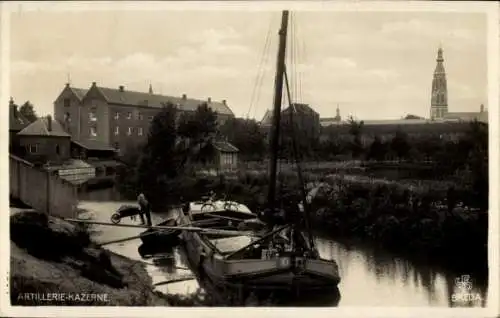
<point x="146" y="99"/>
<point x="41" y="127"/>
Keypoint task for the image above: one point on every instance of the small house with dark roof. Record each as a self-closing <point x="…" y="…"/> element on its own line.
<point x="217" y="155"/>
<point x="45" y="141"/>
<point x="226" y="156"/>
<point x="120" y="117"/>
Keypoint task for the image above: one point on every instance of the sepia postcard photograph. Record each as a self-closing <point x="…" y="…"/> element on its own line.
<point x="250" y="154"/>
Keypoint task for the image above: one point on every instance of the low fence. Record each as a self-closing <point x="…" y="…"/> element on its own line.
<point x="289" y="165"/>
<point x="41" y="190"/>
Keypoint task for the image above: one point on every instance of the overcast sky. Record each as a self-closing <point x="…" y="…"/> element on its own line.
<point x="376" y="65"/>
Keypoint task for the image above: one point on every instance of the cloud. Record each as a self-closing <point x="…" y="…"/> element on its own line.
<point x="212" y="44"/>
<point x="346" y="73"/>
<point x="383" y="74"/>
<point x="458" y="90"/>
<point x="339" y="63"/>
<point x="364" y="59"/>
<point x="214" y="35"/>
<point x="427" y="29"/>
<point x="28" y="67"/>
<point x="25" y="67"/>
<point x="408" y="26"/>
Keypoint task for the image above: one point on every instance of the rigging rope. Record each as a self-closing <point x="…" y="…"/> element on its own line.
<point x="294" y="65"/>
<point x="300" y="45"/>
<point x="291" y="52"/>
<point x="300" y="53"/>
<point x="260" y="70"/>
<point x="297" y="162"/>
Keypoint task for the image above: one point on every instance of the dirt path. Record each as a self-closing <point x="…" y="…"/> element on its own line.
<point x="50" y="257"/>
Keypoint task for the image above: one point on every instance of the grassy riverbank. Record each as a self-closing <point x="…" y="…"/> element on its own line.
<point x="49" y="255"/>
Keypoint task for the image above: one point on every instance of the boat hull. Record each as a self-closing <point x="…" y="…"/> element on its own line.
<point x="285" y="274"/>
<point x="154" y="239"/>
<point x="160" y="238"/>
<point x="277" y="288"/>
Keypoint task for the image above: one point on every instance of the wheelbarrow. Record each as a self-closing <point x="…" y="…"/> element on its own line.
<point x="125" y="211"/>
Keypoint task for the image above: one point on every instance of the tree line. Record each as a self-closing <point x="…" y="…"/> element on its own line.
<point x="27" y="110"/>
<point x="174" y="140"/>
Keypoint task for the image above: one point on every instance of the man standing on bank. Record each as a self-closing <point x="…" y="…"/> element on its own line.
<point x="145" y="208"/>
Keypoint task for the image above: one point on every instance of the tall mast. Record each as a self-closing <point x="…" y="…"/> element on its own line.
<point x="275" y="127"/>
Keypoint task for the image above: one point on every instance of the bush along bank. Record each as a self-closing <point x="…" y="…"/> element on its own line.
<point x="418" y="222"/>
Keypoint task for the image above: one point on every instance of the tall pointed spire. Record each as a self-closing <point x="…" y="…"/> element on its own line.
<point x="150" y="89"/>
<point x="440" y="55"/>
<point x="439" y="98"/>
<point x="337" y="115"/>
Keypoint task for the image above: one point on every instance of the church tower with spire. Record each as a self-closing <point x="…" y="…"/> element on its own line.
<point x="439" y="99"/>
<point x="338" y="118"/>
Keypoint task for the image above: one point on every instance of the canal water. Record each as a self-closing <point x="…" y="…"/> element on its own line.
<point x="369" y="276"/>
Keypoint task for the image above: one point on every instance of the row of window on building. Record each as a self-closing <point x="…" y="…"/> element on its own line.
<point x="130" y="131"/>
<point x="93" y="115"/>
<point x="33" y="148"/>
<point x="129" y="116"/>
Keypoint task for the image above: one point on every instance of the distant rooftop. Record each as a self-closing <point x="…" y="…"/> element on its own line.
<point x="224" y="146"/>
<point x="298" y="107"/>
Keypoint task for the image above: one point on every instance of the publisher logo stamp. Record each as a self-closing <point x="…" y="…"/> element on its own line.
<point x="464" y="291"/>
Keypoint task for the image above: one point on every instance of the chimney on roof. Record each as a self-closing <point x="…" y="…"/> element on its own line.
<point x="122" y="88"/>
<point x="49" y="123"/>
<point x="150" y="89"/>
<point x="481" y="108"/>
<point x="67" y="84"/>
<point x="184" y="96"/>
<point x="224" y="102"/>
<point x="209" y="99"/>
<point x="94" y="84"/>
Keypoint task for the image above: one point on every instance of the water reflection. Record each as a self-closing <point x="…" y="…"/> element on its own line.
<point x="371" y="277"/>
<point x="167" y="263"/>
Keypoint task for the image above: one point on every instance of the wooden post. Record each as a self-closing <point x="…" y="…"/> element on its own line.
<point x="18" y="164"/>
<point x="74" y="201"/>
<point x="48" y="193"/>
